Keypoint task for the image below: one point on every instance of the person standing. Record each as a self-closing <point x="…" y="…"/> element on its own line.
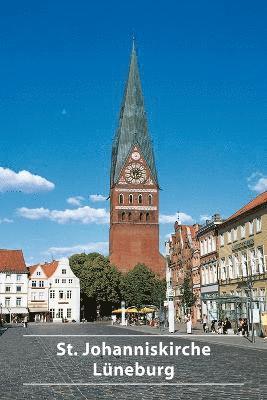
<point x="188" y="324"/>
<point x="25" y="321"/>
<point x="204" y="322"/>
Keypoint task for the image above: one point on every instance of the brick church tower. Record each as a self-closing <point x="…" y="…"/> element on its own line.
<point x="134" y="189"/>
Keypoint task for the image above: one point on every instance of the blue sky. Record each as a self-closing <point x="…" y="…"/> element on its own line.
<point x="63" y="69"/>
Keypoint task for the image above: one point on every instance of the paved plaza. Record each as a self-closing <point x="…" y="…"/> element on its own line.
<point x="24" y="360"/>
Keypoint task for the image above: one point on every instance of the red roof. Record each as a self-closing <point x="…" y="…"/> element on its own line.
<point x="12" y="261"/>
<point x="258" y="201"/>
<point x="48" y="268"/>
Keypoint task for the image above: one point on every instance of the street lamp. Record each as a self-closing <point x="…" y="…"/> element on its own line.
<point x="247" y="286"/>
<point x="170" y="291"/>
<point x="50" y="284"/>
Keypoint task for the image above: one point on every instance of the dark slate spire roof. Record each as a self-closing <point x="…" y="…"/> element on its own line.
<point x="132" y="129"/>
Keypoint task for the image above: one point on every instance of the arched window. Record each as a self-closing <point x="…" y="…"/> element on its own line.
<point x="121" y="200"/>
<point x="141" y="217"/>
<point x="140" y="199"/>
<point x="150" y="199"/>
<point x="147" y="217"/>
<point x="130" y="199"/>
<point x="130" y="216"/>
<point x="123" y="216"/>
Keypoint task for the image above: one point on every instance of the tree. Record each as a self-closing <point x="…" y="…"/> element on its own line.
<point x="100" y="283"/>
<point x="140" y="286"/>
<point x="188" y="297"/>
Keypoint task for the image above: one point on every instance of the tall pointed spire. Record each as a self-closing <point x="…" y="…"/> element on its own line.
<point x="132" y="129"/>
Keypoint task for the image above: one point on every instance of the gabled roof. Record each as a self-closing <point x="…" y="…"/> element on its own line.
<point x="12" y="261"/>
<point x="132" y="129"/>
<point x="260" y="200"/>
<point x="48" y="268"/>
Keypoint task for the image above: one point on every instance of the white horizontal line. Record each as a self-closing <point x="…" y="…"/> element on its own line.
<point x="96" y="336"/>
<point x="135" y="384"/>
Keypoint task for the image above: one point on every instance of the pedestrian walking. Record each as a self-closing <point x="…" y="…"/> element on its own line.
<point x="25" y="321"/>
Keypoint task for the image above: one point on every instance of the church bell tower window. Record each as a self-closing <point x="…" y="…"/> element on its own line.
<point x="121" y="200"/>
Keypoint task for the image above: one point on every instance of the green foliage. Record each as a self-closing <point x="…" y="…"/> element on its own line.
<point x="140" y="286"/>
<point x="100" y="281"/>
<point x="188" y="297"/>
<point x="103" y="286"/>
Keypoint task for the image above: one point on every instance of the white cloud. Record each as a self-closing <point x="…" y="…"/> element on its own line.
<point x="75" y="200"/>
<point x="168" y="236"/>
<point x="97" y="197"/>
<point x="6" y="221"/>
<point x="170" y="219"/>
<point x="84" y="215"/>
<point x="204" y="217"/>
<point x="257" y="182"/>
<point x="101" y="247"/>
<point x="23" y="181"/>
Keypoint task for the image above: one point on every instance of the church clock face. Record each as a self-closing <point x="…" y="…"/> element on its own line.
<point x="136" y="156"/>
<point x="135" y="173"/>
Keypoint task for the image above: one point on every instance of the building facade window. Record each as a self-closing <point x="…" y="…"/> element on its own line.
<point x="242" y="231"/>
<point x="123" y="216"/>
<point x="60" y="313"/>
<point x="130" y="199"/>
<point x="129" y="216"/>
<point x="70" y="280"/>
<point x="147" y="217"/>
<point x="234" y="232"/>
<point x="140" y="199"/>
<point x="7" y="302"/>
<point x="61" y="294"/>
<point x="221" y="239"/>
<point x="230" y="267"/>
<point x="236" y="265"/>
<point x="68" y="312"/>
<point x="41" y="283"/>
<point x="258" y="224"/>
<point x="52" y="294"/>
<point x="64" y="280"/>
<point x="223" y="269"/>
<point x="8" y="275"/>
<point x="64" y="271"/>
<point x="121" y="200"/>
<point x="33" y="283"/>
<point x="18" y="301"/>
<point x="18" y="277"/>
<point x="244" y="263"/>
<point x="18" y="288"/>
<point x="260" y="260"/>
<point x="52" y="312"/>
<point x="38" y="273"/>
<point x="8" y="289"/>
<point x="68" y="294"/>
<point x="150" y="200"/>
<point x="56" y="280"/>
<point x="229" y="237"/>
<point x="251" y="227"/>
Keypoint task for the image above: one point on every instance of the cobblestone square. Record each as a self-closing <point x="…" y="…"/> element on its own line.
<point x="33" y="359"/>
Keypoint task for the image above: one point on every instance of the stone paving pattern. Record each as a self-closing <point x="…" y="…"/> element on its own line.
<point x="34" y="359"/>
